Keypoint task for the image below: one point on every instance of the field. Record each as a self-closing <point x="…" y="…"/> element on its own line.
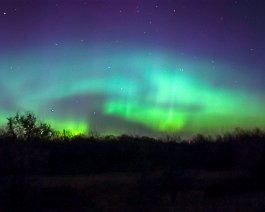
<point x="196" y="191"/>
<point x="127" y="173"/>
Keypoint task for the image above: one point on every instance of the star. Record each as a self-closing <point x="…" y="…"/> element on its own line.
<point x="4" y="13"/>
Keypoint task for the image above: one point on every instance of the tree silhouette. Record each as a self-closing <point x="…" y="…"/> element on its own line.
<point x="26" y="127"/>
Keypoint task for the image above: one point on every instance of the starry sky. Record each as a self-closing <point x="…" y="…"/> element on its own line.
<point x="134" y="66"/>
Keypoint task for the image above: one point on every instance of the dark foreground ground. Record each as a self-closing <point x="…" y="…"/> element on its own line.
<point x="193" y="191"/>
<point x="125" y="173"/>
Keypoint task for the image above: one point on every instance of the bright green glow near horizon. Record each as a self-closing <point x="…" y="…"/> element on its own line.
<point x="77" y="89"/>
<point x="74" y="127"/>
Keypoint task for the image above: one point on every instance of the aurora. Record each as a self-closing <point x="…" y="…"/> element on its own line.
<point x="135" y="77"/>
<point x="159" y="91"/>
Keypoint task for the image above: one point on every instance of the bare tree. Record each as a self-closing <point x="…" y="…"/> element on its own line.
<point x="26" y="126"/>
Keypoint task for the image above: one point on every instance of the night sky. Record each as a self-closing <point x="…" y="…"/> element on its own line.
<point x="136" y="67"/>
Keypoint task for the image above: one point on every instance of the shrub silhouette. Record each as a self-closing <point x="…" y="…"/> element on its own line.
<point x="27" y="127"/>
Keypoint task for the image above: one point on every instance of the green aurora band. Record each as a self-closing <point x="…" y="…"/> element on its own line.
<point x="162" y="92"/>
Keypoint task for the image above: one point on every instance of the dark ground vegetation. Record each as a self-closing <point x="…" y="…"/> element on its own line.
<point x="46" y="172"/>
